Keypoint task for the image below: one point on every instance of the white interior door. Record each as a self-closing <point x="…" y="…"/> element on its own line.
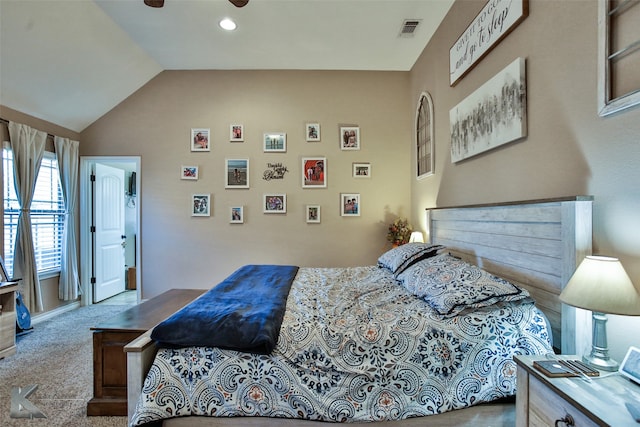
<point x="108" y="208"/>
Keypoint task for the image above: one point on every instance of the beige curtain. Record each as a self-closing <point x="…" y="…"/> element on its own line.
<point x="68" y="158"/>
<point x="27" y="145"/>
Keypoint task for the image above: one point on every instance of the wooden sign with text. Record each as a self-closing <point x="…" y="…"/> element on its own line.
<point x="497" y="19"/>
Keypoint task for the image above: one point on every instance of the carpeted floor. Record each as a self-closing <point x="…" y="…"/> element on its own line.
<point x="57" y="357"/>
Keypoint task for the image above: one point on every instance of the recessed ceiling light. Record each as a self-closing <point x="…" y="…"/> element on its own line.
<point x="228" y="24"/>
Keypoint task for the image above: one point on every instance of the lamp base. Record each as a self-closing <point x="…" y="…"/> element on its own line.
<point x="598" y="362"/>
<point x="599" y="357"/>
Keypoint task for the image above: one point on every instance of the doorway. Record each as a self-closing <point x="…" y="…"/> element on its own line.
<point x="109" y="257"/>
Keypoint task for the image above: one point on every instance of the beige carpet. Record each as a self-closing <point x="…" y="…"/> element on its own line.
<point x="57" y="356"/>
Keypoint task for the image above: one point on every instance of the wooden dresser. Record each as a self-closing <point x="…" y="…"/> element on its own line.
<point x="568" y="402"/>
<point x="8" y="318"/>
<point x="109" y="339"/>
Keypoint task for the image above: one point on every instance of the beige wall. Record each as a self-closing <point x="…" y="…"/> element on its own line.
<point x="569" y="149"/>
<point x="50" y="285"/>
<point x="178" y="250"/>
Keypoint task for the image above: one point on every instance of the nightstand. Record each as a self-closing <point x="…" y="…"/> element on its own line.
<point x="544" y="401"/>
<point x="8" y="318"/>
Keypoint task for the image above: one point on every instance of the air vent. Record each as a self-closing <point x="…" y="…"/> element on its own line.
<point x="409" y="27"/>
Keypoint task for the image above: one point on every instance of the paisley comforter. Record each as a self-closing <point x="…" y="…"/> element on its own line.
<point x="354" y="345"/>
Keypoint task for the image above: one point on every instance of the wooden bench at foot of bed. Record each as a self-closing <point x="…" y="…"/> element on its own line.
<point x="109" y="339"/>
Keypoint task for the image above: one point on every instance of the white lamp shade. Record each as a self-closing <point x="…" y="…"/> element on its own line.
<point x="601" y="284"/>
<point x="416" y="236"/>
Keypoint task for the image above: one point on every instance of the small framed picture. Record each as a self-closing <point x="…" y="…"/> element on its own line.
<point x="236" y="215"/>
<point x="362" y="170"/>
<point x="201" y="205"/>
<point x="630" y="366"/>
<point x="274" y="203"/>
<point x="312" y="132"/>
<point x="236" y="173"/>
<point x="275" y="142"/>
<point x="314" y="172"/>
<point x="313" y="214"/>
<point x="189" y="172"/>
<point x="350" y="137"/>
<point x="200" y="139"/>
<point x="349" y="204"/>
<point x="236" y="133"/>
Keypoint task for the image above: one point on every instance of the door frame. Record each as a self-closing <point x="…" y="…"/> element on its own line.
<point x="86" y="211"/>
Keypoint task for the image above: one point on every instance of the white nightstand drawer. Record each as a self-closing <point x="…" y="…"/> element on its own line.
<point x="546" y="407"/>
<point x="542" y="400"/>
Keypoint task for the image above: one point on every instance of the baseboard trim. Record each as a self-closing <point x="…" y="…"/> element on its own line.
<point x="38" y="318"/>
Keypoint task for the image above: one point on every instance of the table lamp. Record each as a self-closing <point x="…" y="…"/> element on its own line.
<point x="601" y="284"/>
<point x="416" y="236"/>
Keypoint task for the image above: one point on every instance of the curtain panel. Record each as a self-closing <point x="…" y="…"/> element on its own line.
<point x="67" y="153"/>
<point x="27" y="145"/>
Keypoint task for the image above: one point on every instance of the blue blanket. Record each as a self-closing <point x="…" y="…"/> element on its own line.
<point x="244" y="312"/>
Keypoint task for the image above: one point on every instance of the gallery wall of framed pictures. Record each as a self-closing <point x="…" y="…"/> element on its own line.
<point x="313" y="171"/>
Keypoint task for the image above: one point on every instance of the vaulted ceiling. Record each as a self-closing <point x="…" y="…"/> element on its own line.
<point x="71" y="61"/>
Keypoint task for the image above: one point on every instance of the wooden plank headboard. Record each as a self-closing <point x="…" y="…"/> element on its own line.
<point x="537" y="244"/>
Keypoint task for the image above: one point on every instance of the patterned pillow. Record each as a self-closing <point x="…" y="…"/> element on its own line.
<point x="401" y="257"/>
<point x="450" y="285"/>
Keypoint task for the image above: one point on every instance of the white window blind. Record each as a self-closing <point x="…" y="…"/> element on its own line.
<point x="47" y="214"/>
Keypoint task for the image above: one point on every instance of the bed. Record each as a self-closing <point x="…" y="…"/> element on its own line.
<point x="391" y="344"/>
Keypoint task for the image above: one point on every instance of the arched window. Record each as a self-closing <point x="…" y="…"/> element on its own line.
<point x="424" y="136"/>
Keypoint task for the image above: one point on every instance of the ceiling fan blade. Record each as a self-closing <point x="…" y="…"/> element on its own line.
<point x="154" y="3"/>
<point x="239" y="3"/>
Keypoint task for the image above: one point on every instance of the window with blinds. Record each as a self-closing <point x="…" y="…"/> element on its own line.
<point x="47" y="214"/>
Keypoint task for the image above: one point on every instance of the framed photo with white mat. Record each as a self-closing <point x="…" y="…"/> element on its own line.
<point x="630" y="366"/>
